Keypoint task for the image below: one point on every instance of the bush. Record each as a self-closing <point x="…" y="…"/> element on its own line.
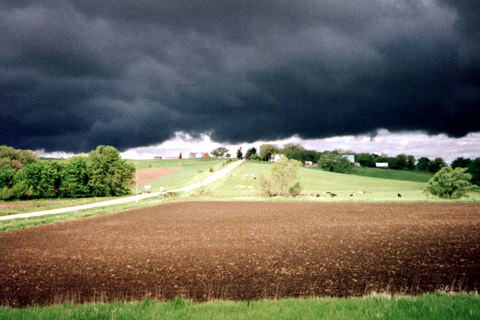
<point x="295" y="190"/>
<point x="450" y="183"/>
<point x="283" y="174"/>
<point x="255" y="157"/>
<point x="268" y="186"/>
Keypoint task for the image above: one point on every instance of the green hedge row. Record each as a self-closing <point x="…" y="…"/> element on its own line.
<point x="102" y="173"/>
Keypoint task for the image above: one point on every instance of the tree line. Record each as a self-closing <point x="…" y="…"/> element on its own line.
<point x="102" y="173"/>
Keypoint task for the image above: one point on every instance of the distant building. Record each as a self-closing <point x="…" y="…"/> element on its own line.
<point x="195" y="155"/>
<point x="383" y="165"/>
<point x="206" y="155"/>
<point x="308" y="163"/>
<point x="349" y="157"/>
<point x="275" y="157"/>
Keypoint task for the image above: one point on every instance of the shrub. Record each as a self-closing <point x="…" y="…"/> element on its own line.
<point x="255" y="157"/>
<point x="268" y="186"/>
<point x="295" y="190"/>
<point x="450" y="183"/>
<point x="283" y="173"/>
<point x="211" y="169"/>
<point x="201" y="192"/>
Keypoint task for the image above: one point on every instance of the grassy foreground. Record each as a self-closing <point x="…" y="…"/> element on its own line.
<point x="430" y="306"/>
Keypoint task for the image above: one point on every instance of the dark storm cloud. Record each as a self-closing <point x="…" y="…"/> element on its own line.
<point x="74" y="74"/>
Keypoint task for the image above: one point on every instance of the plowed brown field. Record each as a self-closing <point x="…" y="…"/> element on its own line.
<point x="147" y="176"/>
<point x="244" y="250"/>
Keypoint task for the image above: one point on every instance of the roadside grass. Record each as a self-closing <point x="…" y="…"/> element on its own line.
<point x="244" y="183"/>
<point x="429" y="306"/>
<point x="191" y="171"/>
<point x="22" y="206"/>
<point x="414" y="176"/>
<point x="16" y="224"/>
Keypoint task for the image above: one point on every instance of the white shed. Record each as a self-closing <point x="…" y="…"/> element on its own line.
<point x="383" y="165"/>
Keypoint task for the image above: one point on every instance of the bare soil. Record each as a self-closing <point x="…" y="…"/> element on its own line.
<point x="147" y="176"/>
<point x="244" y="250"/>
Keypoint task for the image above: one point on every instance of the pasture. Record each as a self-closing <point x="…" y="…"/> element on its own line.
<point x="244" y="183"/>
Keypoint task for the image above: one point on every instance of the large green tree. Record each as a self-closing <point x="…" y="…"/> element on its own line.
<point x="267" y="150"/>
<point x="250" y="152"/>
<point x="109" y="174"/>
<point x="461" y="162"/>
<point x="219" y="152"/>
<point x="41" y="177"/>
<point x="422" y="164"/>
<point x="436" y="165"/>
<point x="334" y="161"/>
<point x="74" y="178"/>
<point x="474" y="170"/>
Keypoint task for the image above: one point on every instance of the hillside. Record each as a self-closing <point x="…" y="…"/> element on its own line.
<point x="414" y="176"/>
<point x="244" y="182"/>
<point x="190" y="171"/>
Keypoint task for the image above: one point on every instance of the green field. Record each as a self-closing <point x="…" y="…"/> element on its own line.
<point x="414" y="176"/>
<point x="244" y="183"/>
<point x="430" y="306"/>
<point x="191" y="171"/>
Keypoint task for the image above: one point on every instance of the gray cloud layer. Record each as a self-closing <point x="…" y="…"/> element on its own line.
<point x="74" y="74"/>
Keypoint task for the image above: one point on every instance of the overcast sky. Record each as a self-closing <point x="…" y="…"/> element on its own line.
<point x="132" y="74"/>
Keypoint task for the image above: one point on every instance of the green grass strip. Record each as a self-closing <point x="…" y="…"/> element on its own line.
<point x="430" y="306"/>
